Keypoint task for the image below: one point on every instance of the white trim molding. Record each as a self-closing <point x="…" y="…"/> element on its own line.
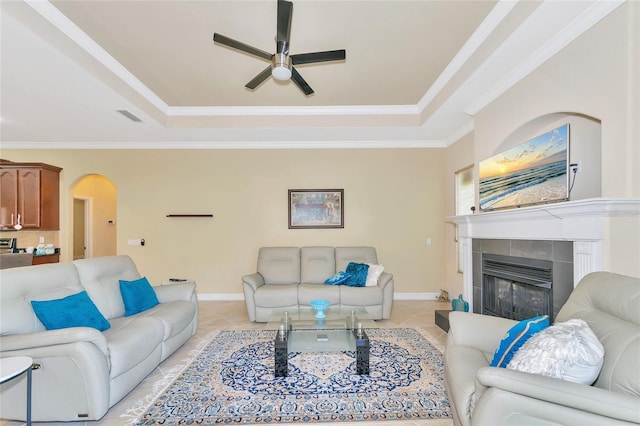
<point x="220" y="297"/>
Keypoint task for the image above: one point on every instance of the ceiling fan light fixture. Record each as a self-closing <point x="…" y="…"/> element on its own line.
<point x="281" y="73"/>
<point x="281" y="67"/>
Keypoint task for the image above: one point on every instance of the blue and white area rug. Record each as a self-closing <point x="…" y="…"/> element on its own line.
<point x="231" y="380"/>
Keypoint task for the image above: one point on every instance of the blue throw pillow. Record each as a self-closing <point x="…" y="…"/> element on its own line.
<point x="138" y="296"/>
<point x="76" y="310"/>
<point x="338" y="278"/>
<point x="358" y="274"/>
<point x="515" y="338"/>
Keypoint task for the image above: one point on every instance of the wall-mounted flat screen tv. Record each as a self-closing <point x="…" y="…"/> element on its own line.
<point x="532" y="172"/>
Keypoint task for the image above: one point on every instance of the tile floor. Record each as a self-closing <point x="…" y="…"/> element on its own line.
<point x="233" y="315"/>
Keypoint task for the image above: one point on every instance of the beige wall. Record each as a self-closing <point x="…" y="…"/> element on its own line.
<point x="597" y="75"/>
<point x="394" y="201"/>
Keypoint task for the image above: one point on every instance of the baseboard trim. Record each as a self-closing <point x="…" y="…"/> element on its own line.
<point x="416" y="296"/>
<point x="240" y="296"/>
<point x="221" y="296"/>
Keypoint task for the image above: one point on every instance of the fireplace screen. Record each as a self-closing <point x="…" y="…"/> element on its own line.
<point x="516" y="288"/>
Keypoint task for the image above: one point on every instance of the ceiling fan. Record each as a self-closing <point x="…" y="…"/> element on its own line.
<point x="281" y="67"/>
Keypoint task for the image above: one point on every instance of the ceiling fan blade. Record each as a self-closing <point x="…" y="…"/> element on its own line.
<point x="310" y="58"/>
<point x="285" y="12"/>
<point x="300" y="82"/>
<point x="219" y="38"/>
<point x="258" y="79"/>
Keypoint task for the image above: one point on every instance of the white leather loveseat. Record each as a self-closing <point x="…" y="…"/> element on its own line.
<point x="290" y="277"/>
<point x="82" y="371"/>
<point x="482" y="395"/>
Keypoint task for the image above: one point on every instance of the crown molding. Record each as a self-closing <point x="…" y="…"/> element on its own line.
<point x="71" y="30"/>
<point x="571" y="31"/>
<point x="368" y="144"/>
<point x="488" y="25"/>
<point x="460" y="133"/>
<point x="295" y="110"/>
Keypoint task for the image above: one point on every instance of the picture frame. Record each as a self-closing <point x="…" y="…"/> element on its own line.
<point x="316" y="208"/>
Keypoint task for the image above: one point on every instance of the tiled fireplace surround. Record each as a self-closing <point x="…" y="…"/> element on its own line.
<point x="560" y="253"/>
<point x="571" y="234"/>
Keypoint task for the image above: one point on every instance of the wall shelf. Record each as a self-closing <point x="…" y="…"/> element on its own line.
<point x="189" y="215"/>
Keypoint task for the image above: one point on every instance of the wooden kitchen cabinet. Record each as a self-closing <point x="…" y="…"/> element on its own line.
<point x="30" y="193"/>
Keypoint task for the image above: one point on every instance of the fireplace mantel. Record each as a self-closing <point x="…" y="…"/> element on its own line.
<point x="583" y="221"/>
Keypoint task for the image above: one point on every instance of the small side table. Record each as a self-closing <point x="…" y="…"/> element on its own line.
<point x="12" y="367"/>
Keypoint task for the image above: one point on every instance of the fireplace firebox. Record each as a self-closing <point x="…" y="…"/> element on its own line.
<point x="516" y="287"/>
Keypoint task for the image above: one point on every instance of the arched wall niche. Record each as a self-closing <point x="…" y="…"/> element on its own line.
<point x="585" y="136"/>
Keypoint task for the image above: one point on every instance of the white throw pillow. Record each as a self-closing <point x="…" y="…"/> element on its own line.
<point x="568" y="350"/>
<point x="373" y="274"/>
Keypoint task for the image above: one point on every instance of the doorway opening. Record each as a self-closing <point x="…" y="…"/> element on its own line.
<point x="94" y="217"/>
<point x="82" y="235"/>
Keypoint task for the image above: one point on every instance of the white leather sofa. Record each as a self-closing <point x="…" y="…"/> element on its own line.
<point x="483" y="395"/>
<point x="290" y="277"/>
<point x="82" y="371"/>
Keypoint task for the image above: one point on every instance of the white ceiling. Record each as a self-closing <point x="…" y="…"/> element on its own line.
<point x="415" y="71"/>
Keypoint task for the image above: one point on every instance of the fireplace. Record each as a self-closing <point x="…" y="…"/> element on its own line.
<point x="584" y="225"/>
<point x="516" y="287"/>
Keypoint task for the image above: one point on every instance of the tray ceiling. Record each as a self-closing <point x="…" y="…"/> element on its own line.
<point x="414" y="75"/>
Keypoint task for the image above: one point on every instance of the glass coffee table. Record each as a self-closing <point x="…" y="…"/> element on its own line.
<point x="342" y="329"/>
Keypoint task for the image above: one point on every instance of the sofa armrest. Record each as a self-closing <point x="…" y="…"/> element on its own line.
<point x="250" y="284"/>
<point x="254" y="281"/>
<point x="482" y="332"/>
<point x="384" y="280"/>
<point x="54" y="337"/>
<point x="178" y="291"/>
<point x="591" y="399"/>
<point x="73" y="377"/>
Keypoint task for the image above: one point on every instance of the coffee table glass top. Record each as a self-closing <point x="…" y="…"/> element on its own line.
<point x="303" y="318"/>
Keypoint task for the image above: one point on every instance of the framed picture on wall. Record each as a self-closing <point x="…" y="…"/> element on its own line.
<point x="316" y="208"/>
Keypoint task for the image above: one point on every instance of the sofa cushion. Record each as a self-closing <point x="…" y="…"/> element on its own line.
<point x="131" y="340"/>
<point x="357" y="274"/>
<point x="175" y="316"/>
<point x="138" y="296"/>
<point x="608" y="302"/>
<point x="360" y="296"/>
<point x="515" y="338"/>
<point x="567" y="350"/>
<point x="76" y="310"/>
<point x="277" y="296"/>
<point x="41" y="282"/>
<point x="279" y="265"/>
<point x="345" y="255"/>
<point x="316" y="264"/>
<point x="101" y="277"/>
<point x="308" y="292"/>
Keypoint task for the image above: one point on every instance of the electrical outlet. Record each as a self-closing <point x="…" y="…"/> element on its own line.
<point x="576" y="166"/>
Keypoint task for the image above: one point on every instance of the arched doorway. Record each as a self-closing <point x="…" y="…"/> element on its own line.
<point x="94" y="217"/>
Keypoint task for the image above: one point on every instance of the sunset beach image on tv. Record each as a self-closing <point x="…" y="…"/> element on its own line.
<point x="532" y="172"/>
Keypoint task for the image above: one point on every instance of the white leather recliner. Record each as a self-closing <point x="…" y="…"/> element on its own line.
<point x="483" y="395"/>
